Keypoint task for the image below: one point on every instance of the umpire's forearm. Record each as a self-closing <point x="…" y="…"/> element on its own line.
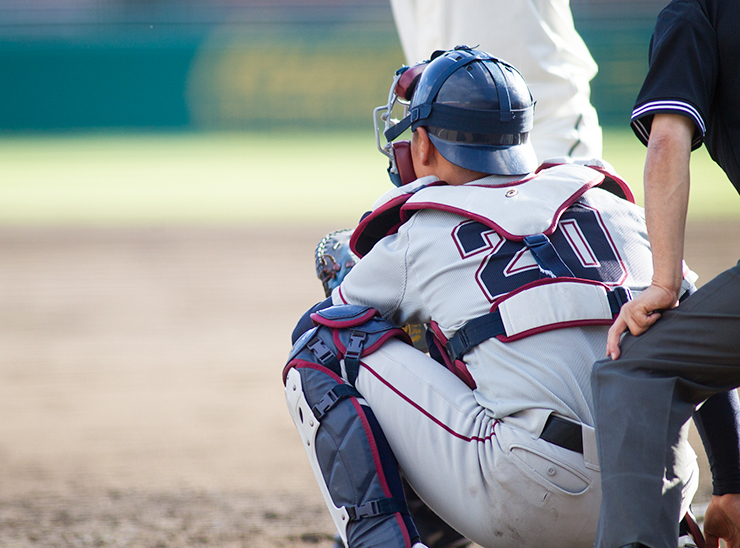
<point x="667" y="195"/>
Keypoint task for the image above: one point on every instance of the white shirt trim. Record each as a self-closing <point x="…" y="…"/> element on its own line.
<point x="662" y="106"/>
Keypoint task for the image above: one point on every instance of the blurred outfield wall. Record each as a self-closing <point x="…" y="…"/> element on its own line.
<point x="245" y="64"/>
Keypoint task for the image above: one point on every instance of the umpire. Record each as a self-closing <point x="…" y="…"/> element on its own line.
<point x="692" y="355"/>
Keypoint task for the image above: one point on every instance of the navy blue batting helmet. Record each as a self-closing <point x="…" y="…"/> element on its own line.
<point x="477" y="110"/>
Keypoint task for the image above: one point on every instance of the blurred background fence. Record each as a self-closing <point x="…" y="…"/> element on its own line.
<point x="246" y="64"/>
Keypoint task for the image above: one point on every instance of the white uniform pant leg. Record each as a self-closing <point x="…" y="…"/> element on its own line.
<point x="539" y="38"/>
<point x="567" y="128"/>
<point x="495" y="483"/>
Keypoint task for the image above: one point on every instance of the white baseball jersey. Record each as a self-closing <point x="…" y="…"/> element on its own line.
<point x="449" y="269"/>
<point x="539" y="38"/>
<point x="475" y="456"/>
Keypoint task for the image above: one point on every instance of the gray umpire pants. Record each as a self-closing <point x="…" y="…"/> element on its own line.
<point x="642" y="401"/>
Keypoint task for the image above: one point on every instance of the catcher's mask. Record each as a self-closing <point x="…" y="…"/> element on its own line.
<point x="477" y="110"/>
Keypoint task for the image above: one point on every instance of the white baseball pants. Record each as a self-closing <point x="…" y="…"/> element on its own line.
<point x="495" y="481"/>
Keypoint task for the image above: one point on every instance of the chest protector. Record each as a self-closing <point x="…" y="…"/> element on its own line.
<point x="528" y="211"/>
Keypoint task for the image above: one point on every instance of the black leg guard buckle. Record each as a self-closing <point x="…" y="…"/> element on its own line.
<point x="375" y="508"/>
<point x="323" y="353"/>
<point x="352" y="355"/>
<point x="332" y="397"/>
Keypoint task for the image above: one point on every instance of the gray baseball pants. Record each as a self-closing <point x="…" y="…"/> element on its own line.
<point x="643" y="401"/>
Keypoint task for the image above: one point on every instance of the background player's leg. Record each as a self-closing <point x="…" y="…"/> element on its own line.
<point x="539" y="39"/>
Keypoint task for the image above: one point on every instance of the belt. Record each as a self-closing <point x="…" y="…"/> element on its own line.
<point x="564" y="433"/>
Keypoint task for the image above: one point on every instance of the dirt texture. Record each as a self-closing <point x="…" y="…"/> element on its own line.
<point x="141" y="400"/>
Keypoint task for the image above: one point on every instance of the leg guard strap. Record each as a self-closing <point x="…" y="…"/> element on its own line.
<point x="323" y="353"/>
<point x="380" y="507"/>
<point x="352" y="355"/>
<point x="332" y="397"/>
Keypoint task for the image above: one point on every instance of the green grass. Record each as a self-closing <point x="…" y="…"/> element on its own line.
<point x="241" y="178"/>
<point x="188" y="178"/>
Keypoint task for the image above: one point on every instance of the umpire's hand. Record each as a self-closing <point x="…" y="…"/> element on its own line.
<point x="722" y="521"/>
<point x="639" y="314"/>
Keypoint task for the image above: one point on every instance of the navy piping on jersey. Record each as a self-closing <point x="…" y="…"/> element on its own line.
<point x="679" y="107"/>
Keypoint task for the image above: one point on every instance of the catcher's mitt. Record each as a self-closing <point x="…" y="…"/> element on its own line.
<point x="334" y="259"/>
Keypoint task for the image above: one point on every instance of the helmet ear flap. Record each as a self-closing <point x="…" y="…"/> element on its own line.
<point x="408" y="80"/>
<point x="404" y="163"/>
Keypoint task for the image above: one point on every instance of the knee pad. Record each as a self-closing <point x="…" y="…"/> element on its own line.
<point x="349" y="455"/>
<point x="341" y="336"/>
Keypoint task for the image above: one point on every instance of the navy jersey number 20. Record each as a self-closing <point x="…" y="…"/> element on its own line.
<point x="581" y="239"/>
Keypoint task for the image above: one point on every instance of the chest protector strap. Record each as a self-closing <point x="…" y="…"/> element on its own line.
<point x="541" y="306"/>
<point x="547" y="257"/>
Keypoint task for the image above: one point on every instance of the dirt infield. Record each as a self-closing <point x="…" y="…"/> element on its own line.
<point x="140" y="393"/>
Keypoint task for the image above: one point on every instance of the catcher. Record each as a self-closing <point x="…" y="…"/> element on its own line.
<point x="517" y="272"/>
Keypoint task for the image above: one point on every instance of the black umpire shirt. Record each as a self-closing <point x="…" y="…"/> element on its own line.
<point x="695" y="71"/>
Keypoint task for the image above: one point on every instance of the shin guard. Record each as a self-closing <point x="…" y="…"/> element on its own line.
<point x="350" y="457"/>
